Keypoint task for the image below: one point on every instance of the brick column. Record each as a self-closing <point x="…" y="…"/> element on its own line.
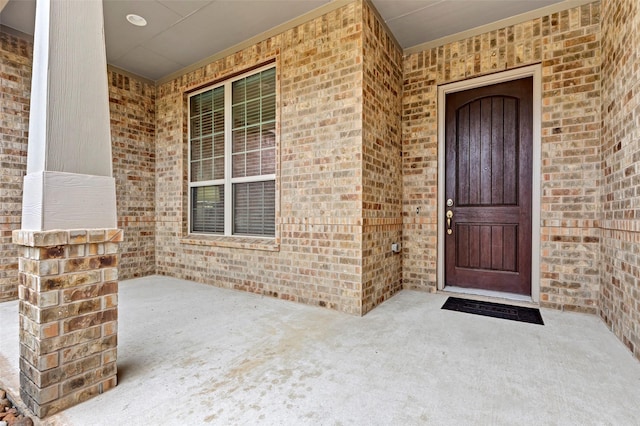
<point x="68" y="316"/>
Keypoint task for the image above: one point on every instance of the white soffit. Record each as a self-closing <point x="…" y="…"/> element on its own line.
<point x="182" y="34"/>
<point x="121" y="37"/>
<point x="231" y="30"/>
<point x="206" y="28"/>
<point x="19" y="15"/>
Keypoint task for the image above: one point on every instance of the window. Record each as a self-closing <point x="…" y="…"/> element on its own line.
<point x="232" y="156"/>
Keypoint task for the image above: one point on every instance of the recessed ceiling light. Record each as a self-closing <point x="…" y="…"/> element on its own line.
<point x="136" y="20"/>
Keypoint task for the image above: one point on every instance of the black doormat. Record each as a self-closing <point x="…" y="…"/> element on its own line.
<point x="495" y="310"/>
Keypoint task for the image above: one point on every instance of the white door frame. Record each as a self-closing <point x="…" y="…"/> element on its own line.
<point x="534" y="71"/>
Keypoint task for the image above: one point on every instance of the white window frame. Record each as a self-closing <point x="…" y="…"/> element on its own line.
<point x="228" y="180"/>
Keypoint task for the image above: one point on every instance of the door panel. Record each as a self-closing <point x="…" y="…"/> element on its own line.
<point x="488" y="134"/>
<point x="482" y="247"/>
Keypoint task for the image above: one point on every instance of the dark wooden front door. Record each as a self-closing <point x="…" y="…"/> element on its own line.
<point x="488" y="134"/>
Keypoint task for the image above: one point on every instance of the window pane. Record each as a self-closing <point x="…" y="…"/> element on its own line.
<point x="218" y="148"/>
<point x="238" y="141"/>
<point x="253" y="138"/>
<point x="195" y="171"/>
<point x="253" y="113"/>
<point x="218" y="121"/>
<point x="195" y="106"/>
<point x="207" y="213"/>
<point x="240" y="213"/>
<point x="253" y="163"/>
<point x="195" y="149"/>
<point x="238" y="91"/>
<point x="207" y="147"/>
<point x="238" y="116"/>
<point x="204" y="123"/>
<point x="218" y="99"/>
<point x="252" y="87"/>
<point x="268" y="80"/>
<point x="268" y="161"/>
<point x="207" y="170"/>
<point x="254" y="208"/>
<point x="218" y="168"/>
<point x="269" y="108"/>
<point x="268" y="135"/>
<point x="206" y="99"/>
<point x="195" y="127"/>
<point x="238" y="161"/>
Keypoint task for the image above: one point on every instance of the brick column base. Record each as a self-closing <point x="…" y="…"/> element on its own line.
<point x="68" y="316"/>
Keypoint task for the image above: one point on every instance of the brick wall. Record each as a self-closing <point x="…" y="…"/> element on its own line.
<point x="15" y="84"/>
<point x="341" y="173"/>
<point x="68" y="315"/>
<point x="132" y="106"/>
<point x="571" y="159"/>
<point x="620" y="270"/>
<point x="567" y="44"/>
<point x="321" y="160"/>
<point x="316" y="257"/>
<point x="382" y="162"/>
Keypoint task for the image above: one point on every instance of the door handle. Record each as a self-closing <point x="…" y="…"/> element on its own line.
<point x="449" y="216"/>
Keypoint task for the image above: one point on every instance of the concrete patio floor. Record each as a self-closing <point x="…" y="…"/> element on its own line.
<point x="192" y="354"/>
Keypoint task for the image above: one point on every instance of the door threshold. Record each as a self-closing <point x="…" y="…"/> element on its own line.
<point x="489" y="295"/>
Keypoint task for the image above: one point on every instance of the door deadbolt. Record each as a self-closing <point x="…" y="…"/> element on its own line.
<point x="449" y="202"/>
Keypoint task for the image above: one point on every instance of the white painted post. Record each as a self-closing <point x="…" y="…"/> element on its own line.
<point x="69" y="181"/>
<point x="68" y="267"/>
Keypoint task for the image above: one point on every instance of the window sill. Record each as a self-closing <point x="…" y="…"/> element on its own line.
<point x="247" y="243"/>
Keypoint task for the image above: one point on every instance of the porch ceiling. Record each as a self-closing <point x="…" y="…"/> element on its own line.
<point x="182" y="32"/>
